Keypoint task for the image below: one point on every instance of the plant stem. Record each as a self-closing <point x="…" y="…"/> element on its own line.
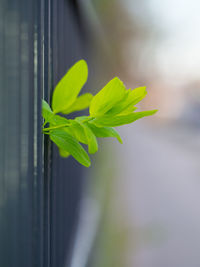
<point x="55" y="127"/>
<point x="88" y="119"/>
<point x="44" y="124"/>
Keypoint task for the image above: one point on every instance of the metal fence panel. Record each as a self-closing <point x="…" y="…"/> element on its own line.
<point x="39" y="191"/>
<point x="20" y="160"/>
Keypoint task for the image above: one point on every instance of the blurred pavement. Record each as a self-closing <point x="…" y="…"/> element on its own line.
<point x="158" y="194"/>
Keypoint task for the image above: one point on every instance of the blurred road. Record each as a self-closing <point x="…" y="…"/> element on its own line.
<point x="158" y="194"/>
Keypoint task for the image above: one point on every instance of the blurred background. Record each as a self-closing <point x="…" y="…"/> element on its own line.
<point x="147" y="191"/>
<point x="139" y="203"/>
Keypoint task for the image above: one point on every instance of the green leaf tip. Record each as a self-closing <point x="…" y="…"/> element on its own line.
<point x="69" y="86"/>
<point x="47" y="113"/>
<point x="121" y="119"/>
<point x="112" y="106"/>
<point x="105" y="132"/>
<point x="112" y="93"/>
<point x="80" y="103"/>
<point x="68" y="143"/>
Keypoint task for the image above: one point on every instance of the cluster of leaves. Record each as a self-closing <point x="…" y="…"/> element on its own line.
<point x="112" y="106"/>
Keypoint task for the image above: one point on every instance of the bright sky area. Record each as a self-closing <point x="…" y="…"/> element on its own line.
<point x="177" y="51"/>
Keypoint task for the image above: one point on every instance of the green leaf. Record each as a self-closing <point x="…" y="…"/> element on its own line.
<point x="121" y="119"/>
<point x="128" y="110"/>
<point x="81" y="102"/>
<point x="69" y="86"/>
<point x="58" y="120"/>
<point x="78" y="132"/>
<point x="92" y="141"/>
<point x="67" y="142"/>
<point x="83" y="133"/>
<point x="130" y="99"/>
<point x="105" y="132"/>
<point x="52" y="119"/>
<point x="83" y="119"/>
<point x="112" y="93"/>
<point x="136" y="95"/>
<point x="47" y="113"/>
<point x="63" y="153"/>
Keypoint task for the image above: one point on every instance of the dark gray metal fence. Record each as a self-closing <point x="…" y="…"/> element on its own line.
<point x="39" y="191"/>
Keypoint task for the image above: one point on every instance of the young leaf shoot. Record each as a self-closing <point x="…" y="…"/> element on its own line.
<point x="112" y="106"/>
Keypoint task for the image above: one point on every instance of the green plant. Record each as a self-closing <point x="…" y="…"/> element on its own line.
<point x="112" y="106"/>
